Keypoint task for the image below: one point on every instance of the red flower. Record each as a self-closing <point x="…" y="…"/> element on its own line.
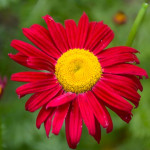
<point x="2" y="85"/>
<point x="82" y="78"/>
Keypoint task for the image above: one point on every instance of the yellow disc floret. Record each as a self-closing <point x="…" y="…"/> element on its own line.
<point x="0" y="89"/>
<point x="78" y="70"/>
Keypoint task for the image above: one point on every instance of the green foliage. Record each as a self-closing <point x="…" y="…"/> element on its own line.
<point x="18" y="126"/>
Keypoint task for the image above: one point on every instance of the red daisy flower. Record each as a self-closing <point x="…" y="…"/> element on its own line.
<point x="82" y="78"/>
<point x="2" y="85"/>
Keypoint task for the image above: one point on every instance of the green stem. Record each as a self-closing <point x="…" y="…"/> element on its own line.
<point x="137" y="23"/>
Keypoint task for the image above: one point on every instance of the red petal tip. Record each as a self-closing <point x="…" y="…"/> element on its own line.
<point x="48" y="18"/>
<point x="55" y="133"/>
<point x="26" y="108"/>
<point x="10" y="54"/>
<point x="19" y="96"/>
<point x="146" y="76"/>
<point x="47" y="135"/>
<point x="84" y="13"/>
<point x="24" y="29"/>
<point x="38" y="126"/>
<point x="13" y="42"/>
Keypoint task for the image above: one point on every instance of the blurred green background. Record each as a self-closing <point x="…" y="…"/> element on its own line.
<point x="17" y="126"/>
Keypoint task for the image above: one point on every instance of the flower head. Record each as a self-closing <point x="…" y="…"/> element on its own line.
<point x="82" y="78"/>
<point x="120" y="18"/>
<point x="2" y="85"/>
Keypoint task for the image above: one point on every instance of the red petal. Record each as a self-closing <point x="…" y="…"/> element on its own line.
<point x="130" y="79"/>
<point x="41" y="39"/>
<point x="57" y="33"/>
<point x="31" y="76"/>
<point x="40" y="64"/>
<point x="129" y="94"/>
<point x="67" y="128"/>
<point x="115" y="51"/>
<point x="59" y="117"/>
<point x="91" y="29"/>
<point x="99" y="38"/>
<point x="20" y="58"/>
<point x="122" y="81"/>
<point x="41" y="30"/>
<point x="125" y="116"/>
<point x="23" y="60"/>
<point x="117" y="59"/>
<point x="35" y="102"/>
<point x="110" y="127"/>
<point x="71" y="31"/>
<point x="74" y="124"/>
<point x="97" y="135"/>
<point x="123" y="87"/>
<point x="136" y="80"/>
<point x="48" y="123"/>
<point x="88" y="117"/>
<point x="31" y="99"/>
<point x="42" y="116"/>
<point x="99" y="110"/>
<point x="87" y="114"/>
<point x="35" y="87"/>
<point x="29" y="50"/>
<point x="62" y="99"/>
<point x="82" y="30"/>
<point x="95" y="32"/>
<point x="107" y="94"/>
<point x="64" y="36"/>
<point x="104" y="42"/>
<point x="128" y="69"/>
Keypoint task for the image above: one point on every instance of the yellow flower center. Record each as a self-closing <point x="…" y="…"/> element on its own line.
<point x="78" y="70"/>
<point x="0" y="89"/>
